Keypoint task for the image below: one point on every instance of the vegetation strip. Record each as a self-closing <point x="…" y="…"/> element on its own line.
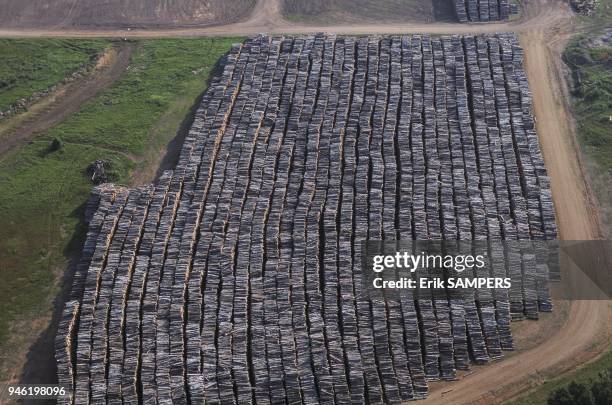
<point x="589" y="58"/>
<point x="32" y="67"/>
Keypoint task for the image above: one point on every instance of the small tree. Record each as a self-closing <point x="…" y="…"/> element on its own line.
<point x="602" y="388"/>
<point x="580" y="393"/>
<point x="56" y="144"/>
<point x="574" y="394"/>
<point x="560" y="397"/>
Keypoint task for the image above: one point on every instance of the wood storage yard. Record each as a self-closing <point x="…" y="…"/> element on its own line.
<point x="236" y="277"/>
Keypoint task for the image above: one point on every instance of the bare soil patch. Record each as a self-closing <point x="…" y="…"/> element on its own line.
<point x="359" y="11"/>
<point x="267" y="17"/>
<point x="117" y="13"/>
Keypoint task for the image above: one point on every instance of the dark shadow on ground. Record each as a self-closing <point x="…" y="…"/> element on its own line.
<point x="40" y="366"/>
<point x="173" y="151"/>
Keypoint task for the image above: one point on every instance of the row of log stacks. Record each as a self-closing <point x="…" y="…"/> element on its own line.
<point x="484" y="10"/>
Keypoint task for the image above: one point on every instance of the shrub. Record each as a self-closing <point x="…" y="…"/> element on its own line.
<point x="56" y="144"/>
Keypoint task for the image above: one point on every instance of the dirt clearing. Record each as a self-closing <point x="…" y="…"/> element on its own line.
<point x="117" y="13"/>
<point x="359" y="11"/>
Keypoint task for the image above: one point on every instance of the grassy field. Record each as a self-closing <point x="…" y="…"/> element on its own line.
<point x="43" y="191"/>
<point x="585" y="374"/>
<point x="592" y="78"/>
<point x="592" y="90"/>
<point x="32" y="65"/>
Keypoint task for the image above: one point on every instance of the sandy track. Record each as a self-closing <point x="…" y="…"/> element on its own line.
<point x="577" y="211"/>
<point x="543" y="30"/>
<point x="266" y="17"/>
<point x="563" y="349"/>
<point x="67" y="100"/>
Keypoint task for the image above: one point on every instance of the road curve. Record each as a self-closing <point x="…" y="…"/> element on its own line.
<point x="495" y="382"/>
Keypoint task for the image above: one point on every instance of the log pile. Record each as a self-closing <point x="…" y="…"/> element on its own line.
<point x="484" y="10"/>
<point x="236" y="278"/>
<point x="584" y="7"/>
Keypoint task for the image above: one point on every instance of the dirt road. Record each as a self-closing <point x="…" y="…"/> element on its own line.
<point x="266" y="17"/>
<point x="574" y="201"/>
<point x="586" y="330"/>
<point x="566" y="347"/>
<point x="67" y="100"/>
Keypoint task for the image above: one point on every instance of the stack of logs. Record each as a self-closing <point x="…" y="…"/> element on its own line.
<point x="484" y="10"/>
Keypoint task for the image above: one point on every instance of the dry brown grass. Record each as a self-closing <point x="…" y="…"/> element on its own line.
<point x="331" y="11"/>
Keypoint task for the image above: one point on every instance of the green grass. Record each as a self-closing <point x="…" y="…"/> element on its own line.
<point x="593" y="97"/>
<point x="43" y="192"/>
<point x="31" y="65"/>
<point x="585" y="374"/>
<point x="592" y="105"/>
